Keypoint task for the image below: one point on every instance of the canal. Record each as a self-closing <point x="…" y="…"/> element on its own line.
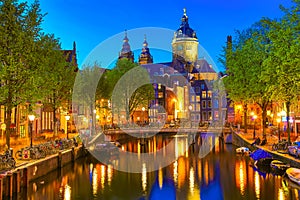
<point x="221" y="174"/>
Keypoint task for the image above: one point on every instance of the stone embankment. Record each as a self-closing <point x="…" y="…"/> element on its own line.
<point x="240" y="139"/>
<point x="15" y="181"/>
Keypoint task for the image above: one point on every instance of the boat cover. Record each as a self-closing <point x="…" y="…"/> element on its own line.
<point x="260" y="154"/>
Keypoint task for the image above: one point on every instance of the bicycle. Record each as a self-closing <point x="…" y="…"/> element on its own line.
<point x="282" y="145"/>
<point x="7" y="161"/>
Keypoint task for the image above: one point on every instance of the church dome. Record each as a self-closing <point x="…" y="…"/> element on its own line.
<point x="185" y="30"/>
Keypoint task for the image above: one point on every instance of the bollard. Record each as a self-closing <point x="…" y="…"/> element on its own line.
<point x="9" y="184"/>
<point x="73" y="154"/>
<point x="59" y="160"/>
<point x="1" y="187"/>
<point x="24" y="182"/>
<point x="16" y="182"/>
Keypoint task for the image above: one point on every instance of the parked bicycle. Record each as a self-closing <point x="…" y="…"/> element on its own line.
<point x="7" y="161"/>
<point x="282" y="145"/>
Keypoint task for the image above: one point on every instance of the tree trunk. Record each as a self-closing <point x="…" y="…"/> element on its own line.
<point x="54" y="121"/>
<point x="288" y="105"/>
<point x="7" y="119"/>
<point x="245" y="118"/>
<point x="54" y="114"/>
<point x="8" y="123"/>
<point x="264" y="119"/>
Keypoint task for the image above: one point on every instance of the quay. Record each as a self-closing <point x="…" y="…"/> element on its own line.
<point x="17" y="180"/>
<point x="245" y="140"/>
<point x="225" y="130"/>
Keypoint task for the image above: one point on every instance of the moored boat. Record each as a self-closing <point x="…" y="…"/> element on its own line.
<point x="293" y="174"/>
<point x="279" y="165"/>
<point x="242" y="150"/>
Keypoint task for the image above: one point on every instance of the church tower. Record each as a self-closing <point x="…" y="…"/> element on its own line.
<point x="145" y="56"/>
<point x="126" y="51"/>
<point x="185" y="42"/>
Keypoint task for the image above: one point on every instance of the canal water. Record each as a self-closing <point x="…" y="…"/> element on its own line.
<point x="221" y="174"/>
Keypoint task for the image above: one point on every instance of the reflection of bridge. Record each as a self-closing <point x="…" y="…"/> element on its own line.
<point x="215" y="130"/>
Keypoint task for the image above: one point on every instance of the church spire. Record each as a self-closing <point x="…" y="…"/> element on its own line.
<point x="145" y="56"/>
<point x="126" y="50"/>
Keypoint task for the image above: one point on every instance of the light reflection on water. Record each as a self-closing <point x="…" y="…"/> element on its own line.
<point x="220" y="175"/>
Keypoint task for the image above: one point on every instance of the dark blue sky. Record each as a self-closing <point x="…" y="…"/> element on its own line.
<point x="90" y="22"/>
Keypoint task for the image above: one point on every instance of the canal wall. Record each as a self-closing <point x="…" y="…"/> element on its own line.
<point x="17" y="180"/>
<point x="239" y="140"/>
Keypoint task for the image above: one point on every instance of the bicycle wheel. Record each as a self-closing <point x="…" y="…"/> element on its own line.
<point x="285" y="146"/>
<point x="11" y="163"/>
<point x="274" y="147"/>
<point x="18" y="154"/>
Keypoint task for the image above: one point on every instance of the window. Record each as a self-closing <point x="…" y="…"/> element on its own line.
<point x="204" y="94"/>
<point x="203" y="104"/>
<point x="216" y="114"/>
<point x="160" y="95"/>
<point x="204" y="116"/>
<point x="209" y="94"/>
<point x="209" y="103"/>
<point x="202" y="86"/>
<point x="198" y="107"/>
<point x="209" y="115"/>
<point x="197" y="90"/>
<point x="198" y="98"/>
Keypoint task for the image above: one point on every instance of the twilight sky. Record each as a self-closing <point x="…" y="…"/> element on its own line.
<point x="92" y="22"/>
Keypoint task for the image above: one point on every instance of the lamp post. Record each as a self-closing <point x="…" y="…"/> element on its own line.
<point x="254" y="117"/>
<point x="143" y="117"/>
<point x="67" y="119"/>
<point x="31" y="119"/>
<point x="190" y="116"/>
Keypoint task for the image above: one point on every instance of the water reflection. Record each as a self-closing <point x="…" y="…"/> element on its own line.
<point x="220" y="175"/>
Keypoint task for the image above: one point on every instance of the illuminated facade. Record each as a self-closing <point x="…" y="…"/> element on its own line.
<point x="194" y="101"/>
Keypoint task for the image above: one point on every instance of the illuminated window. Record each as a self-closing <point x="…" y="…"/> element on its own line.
<point x="209" y="115"/>
<point x="198" y="98"/>
<point x="198" y="107"/>
<point x="159" y="86"/>
<point x="203" y="94"/>
<point x="209" y="94"/>
<point x="160" y="95"/>
<point x="202" y="86"/>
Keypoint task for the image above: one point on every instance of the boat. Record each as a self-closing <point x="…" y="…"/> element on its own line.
<point x="279" y="167"/>
<point x="261" y="158"/>
<point x="242" y="150"/>
<point x="293" y="174"/>
<point x="277" y="164"/>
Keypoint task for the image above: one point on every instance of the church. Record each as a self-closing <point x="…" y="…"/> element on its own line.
<point x="183" y="86"/>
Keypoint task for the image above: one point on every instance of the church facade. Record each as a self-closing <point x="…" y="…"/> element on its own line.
<point x="183" y="86"/>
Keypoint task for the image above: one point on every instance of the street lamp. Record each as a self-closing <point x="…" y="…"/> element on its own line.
<point x="143" y="109"/>
<point x="190" y="109"/>
<point x="31" y="119"/>
<point x="67" y="119"/>
<point x="254" y="117"/>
